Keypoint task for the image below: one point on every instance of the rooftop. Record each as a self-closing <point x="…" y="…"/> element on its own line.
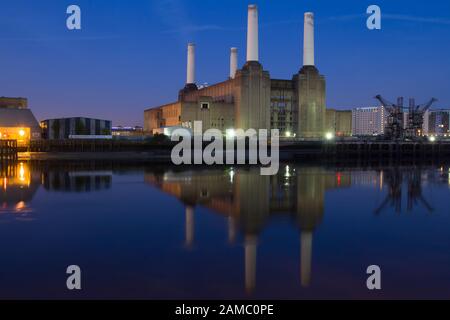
<point x="17" y="117"/>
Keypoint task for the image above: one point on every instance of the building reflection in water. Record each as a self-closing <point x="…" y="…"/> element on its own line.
<point x="21" y="180"/>
<point x="398" y="180"/>
<point x="18" y="185"/>
<point x="76" y="180"/>
<point x="248" y="200"/>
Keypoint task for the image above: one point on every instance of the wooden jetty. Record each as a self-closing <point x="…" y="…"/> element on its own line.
<point x="8" y="150"/>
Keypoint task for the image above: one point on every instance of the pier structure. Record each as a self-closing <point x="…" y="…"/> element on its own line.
<point x="8" y="150"/>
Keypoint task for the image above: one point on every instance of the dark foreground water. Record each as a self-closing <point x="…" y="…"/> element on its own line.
<point x="145" y="231"/>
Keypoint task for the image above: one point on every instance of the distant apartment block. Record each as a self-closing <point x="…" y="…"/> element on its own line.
<point x="73" y="128"/>
<point x="368" y="121"/>
<point x="438" y="123"/>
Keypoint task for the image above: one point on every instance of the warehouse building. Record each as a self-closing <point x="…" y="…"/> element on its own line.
<point x="76" y="128"/>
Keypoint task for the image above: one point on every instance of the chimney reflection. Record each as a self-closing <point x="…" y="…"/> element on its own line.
<point x="231" y="230"/>
<point x="189" y="227"/>
<point x="306" y="238"/>
<point x="250" y="245"/>
<point x="248" y="200"/>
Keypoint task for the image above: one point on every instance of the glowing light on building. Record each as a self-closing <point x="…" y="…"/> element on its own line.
<point x="231" y="133"/>
<point x="329" y="136"/>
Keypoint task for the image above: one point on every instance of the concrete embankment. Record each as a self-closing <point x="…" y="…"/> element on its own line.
<point x="123" y="156"/>
<point x="293" y="151"/>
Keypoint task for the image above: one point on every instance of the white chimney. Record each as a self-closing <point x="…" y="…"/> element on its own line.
<point x="252" y="33"/>
<point x="191" y="64"/>
<point x="308" y="40"/>
<point x="233" y="62"/>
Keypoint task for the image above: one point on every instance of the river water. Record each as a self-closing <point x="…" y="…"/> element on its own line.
<point x="148" y="231"/>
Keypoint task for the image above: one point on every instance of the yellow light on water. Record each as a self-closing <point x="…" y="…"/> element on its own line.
<point x="20" y="206"/>
<point x="21" y="172"/>
<point x="232" y="175"/>
<point x="288" y="172"/>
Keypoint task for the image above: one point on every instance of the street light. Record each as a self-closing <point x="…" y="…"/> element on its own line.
<point x="231" y="133"/>
<point x="329" y="136"/>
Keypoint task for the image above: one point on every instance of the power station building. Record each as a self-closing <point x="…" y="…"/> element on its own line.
<point x="250" y="98"/>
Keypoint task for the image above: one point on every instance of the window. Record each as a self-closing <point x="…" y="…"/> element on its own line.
<point x="204" y="193"/>
<point x="205" y="105"/>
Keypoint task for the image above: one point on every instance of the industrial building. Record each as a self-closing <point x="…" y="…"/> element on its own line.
<point x="250" y="98"/>
<point x="75" y="128"/>
<point x="17" y="122"/>
<point x="339" y="122"/>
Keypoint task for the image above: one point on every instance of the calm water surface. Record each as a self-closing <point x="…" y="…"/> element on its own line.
<point x="155" y="232"/>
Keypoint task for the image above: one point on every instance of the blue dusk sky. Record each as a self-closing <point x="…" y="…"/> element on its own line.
<point x="131" y="55"/>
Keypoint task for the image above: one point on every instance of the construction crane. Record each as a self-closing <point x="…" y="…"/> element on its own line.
<point x="394" y="127"/>
<point x="416" y="118"/>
